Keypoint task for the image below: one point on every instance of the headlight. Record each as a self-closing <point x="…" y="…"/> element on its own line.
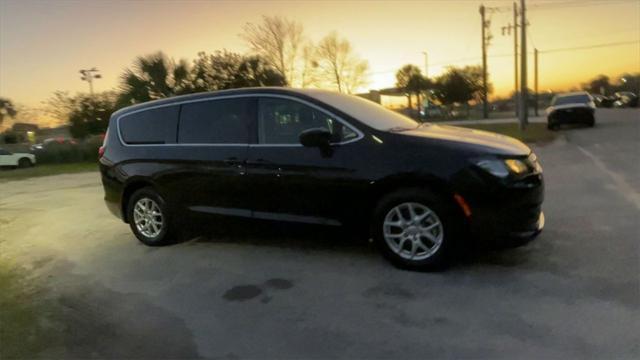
<point x="494" y="167"/>
<point x="516" y="166"/>
<point x="502" y="168"/>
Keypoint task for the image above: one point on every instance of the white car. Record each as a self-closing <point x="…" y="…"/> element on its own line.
<point x="22" y="160"/>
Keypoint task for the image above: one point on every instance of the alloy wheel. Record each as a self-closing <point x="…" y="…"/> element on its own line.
<point x="147" y="217"/>
<point x="413" y="231"/>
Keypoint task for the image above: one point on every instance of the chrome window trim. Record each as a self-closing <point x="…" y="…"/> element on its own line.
<point x="223" y="97"/>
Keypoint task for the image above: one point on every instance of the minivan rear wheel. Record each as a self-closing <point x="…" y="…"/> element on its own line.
<point x="148" y="217"/>
<point x="413" y="229"/>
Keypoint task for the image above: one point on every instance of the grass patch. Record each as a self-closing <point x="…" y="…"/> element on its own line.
<point x="45" y="170"/>
<point x="535" y="132"/>
<point x="25" y="329"/>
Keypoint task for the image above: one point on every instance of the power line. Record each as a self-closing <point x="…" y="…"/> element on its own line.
<point x="530" y="38"/>
<point x="573" y="4"/>
<point x="591" y="46"/>
<point x="453" y="61"/>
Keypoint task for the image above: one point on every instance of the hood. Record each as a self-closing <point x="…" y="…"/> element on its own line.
<point x="486" y="141"/>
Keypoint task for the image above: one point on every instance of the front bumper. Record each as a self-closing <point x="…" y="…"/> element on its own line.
<point x="571" y="116"/>
<point x="506" y="214"/>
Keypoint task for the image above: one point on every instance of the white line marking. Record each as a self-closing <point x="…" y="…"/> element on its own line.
<point x="622" y="185"/>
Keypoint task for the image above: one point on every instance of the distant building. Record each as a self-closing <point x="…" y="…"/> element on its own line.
<point x="23" y="128"/>
<point x="55" y="132"/>
<point x="392" y="98"/>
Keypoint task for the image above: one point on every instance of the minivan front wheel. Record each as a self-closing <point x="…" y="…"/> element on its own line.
<point x="413" y="229"/>
<point x="148" y="217"/>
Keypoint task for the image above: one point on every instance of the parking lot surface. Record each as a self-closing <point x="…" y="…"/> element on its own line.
<point x="268" y="292"/>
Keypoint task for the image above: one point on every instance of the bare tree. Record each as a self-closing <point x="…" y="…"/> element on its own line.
<point x="278" y="41"/>
<point x="339" y="65"/>
<point x="309" y="73"/>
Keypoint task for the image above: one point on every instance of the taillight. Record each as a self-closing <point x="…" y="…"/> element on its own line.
<point x="102" y="148"/>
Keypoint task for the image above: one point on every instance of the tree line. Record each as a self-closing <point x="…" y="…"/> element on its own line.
<point x="280" y="54"/>
<point x="457" y="85"/>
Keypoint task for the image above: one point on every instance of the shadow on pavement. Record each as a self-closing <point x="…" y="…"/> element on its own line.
<point x="336" y="239"/>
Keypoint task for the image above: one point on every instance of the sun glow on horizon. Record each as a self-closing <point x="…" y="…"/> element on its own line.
<point x="41" y="51"/>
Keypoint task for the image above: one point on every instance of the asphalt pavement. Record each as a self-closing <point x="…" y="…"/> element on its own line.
<point x="272" y="292"/>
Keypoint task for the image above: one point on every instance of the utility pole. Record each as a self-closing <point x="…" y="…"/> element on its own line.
<point x="507" y="30"/>
<point x="535" y="78"/>
<point x="524" y="96"/>
<point x="515" y="55"/>
<point x="485" y="105"/>
<point x="88" y="75"/>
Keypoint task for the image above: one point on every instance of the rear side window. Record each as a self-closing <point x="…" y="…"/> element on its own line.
<point x="221" y="121"/>
<point x="153" y="126"/>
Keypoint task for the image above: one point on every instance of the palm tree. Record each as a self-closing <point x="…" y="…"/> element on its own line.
<point x="7" y="109"/>
<point x="152" y="77"/>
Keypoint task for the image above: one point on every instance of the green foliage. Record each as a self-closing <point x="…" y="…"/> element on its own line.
<point x="602" y="83"/>
<point x="152" y="77"/>
<point x="409" y="78"/>
<point x="156" y="76"/>
<point x="85" y="151"/>
<point x="228" y="70"/>
<point x="405" y="75"/>
<point x="7" y="109"/>
<point x="90" y="114"/>
<point x="460" y="85"/>
<point x="12" y="137"/>
<point x="253" y="71"/>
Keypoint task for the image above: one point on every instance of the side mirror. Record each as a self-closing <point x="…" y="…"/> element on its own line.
<point x="316" y="137"/>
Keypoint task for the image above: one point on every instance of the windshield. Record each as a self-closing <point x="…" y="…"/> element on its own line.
<point x="571" y="99"/>
<point x="366" y="111"/>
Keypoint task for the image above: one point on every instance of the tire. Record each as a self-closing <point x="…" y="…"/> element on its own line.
<point x="433" y="255"/>
<point x="24" y="163"/>
<point x="591" y="122"/>
<point x="150" y="206"/>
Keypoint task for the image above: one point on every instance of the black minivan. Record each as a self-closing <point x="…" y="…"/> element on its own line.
<point x="318" y="157"/>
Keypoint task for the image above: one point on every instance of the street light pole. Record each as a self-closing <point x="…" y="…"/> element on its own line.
<point x="515" y="55"/>
<point x="426" y="65"/>
<point x="88" y="75"/>
<point x="535" y="79"/>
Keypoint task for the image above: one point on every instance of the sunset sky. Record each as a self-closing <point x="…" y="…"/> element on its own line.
<point x="43" y="44"/>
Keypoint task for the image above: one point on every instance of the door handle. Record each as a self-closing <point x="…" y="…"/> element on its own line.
<point x="258" y="162"/>
<point x="232" y="161"/>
